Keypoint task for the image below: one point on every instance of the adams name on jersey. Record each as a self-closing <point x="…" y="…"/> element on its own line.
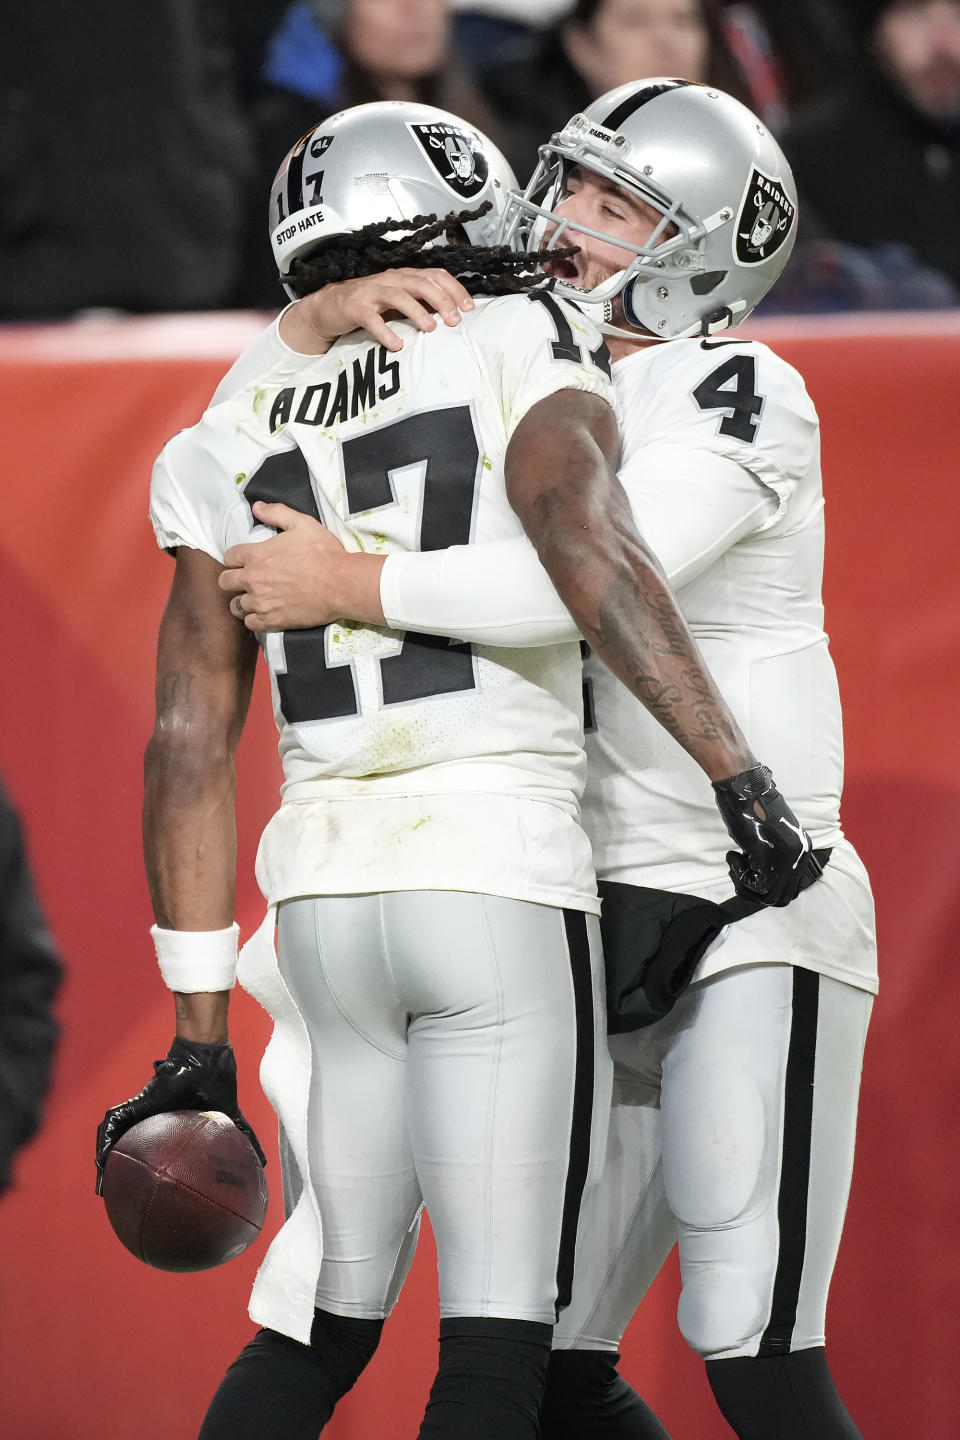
<point x="411" y="762"/>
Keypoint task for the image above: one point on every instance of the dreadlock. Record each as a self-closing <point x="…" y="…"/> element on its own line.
<point x="481" y="269"/>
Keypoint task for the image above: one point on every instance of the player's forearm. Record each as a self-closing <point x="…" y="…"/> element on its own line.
<point x="189" y="841"/>
<point x="629" y="617"/>
<point x="579" y="520"/>
<point x="189" y="834"/>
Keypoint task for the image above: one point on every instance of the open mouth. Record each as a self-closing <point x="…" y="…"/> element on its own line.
<point x="562" y="270"/>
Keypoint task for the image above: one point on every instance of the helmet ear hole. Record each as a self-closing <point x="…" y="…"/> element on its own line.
<point x="705" y="284"/>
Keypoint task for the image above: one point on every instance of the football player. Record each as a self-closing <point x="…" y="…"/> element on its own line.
<point x="734" y="1112"/>
<point x="436" y="985"/>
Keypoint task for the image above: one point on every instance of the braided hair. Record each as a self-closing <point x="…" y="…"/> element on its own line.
<point x="481" y="269"/>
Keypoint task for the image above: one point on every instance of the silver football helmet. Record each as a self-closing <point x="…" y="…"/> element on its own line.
<point x="713" y="172"/>
<point x="390" y="159"/>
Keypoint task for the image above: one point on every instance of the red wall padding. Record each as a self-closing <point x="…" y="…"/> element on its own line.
<point x="94" y="1344"/>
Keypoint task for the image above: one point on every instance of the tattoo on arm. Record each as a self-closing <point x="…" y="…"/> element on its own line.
<point x="683" y="699"/>
<point x="560" y="482"/>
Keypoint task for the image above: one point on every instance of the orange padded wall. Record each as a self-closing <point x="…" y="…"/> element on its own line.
<point x="92" y="1343"/>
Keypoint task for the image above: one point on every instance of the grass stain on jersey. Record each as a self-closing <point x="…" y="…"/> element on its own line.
<point x="241" y="478"/>
<point x="396" y="747"/>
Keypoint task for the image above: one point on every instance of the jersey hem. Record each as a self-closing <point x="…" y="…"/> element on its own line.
<point x="855" y="979"/>
<point x="553" y="899"/>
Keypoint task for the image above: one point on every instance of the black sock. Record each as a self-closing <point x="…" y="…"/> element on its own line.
<point x="489" y="1380"/>
<point x="585" y="1396"/>
<point x="278" y="1389"/>
<point x="781" y="1397"/>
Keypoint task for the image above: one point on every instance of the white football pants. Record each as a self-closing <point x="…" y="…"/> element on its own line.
<point x="458" y="1059"/>
<point x="732" y="1134"/>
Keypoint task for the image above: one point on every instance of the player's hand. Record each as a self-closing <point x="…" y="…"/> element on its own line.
<point x="775" y="860"/>
<point x="418" y="295"/>
<point x="301" y="578"/>
<point x="193" y="1076"/>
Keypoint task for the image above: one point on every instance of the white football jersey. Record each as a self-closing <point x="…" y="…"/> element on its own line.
<point x="411" y="762"/>
<point x="721" y="463"/>
<point x="722" y="467"/>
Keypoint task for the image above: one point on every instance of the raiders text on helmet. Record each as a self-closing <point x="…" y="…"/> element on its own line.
<point x="380" y="161"/>
<point x="712" y="171"/>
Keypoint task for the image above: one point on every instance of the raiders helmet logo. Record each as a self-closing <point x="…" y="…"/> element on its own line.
<point x="767" y="216"/>
<point x="455" y="155"/>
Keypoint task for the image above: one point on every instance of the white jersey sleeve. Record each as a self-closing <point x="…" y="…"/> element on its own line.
<point x="259" y="357"/>
<point x="191" y="504"/>
<point x="692" y="505"/>
<point x="496" y="593"/>
<point x="196" y="489"/>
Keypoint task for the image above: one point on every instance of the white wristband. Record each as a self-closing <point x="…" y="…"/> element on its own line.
<point x="197" y="961"/>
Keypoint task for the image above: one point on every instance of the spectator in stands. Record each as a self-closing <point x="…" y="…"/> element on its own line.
<point x="29" y="979"/>
<point x="790" y="54"/>
<point x="879" y="164"/>
<point x="329" y="54"/>
<point x="123" y="158"/>
<point x="536" y="87"/>
<point x="481" y="27"/>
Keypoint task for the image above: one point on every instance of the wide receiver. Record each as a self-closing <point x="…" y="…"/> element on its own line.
<point x="734" y="1114"/>
<point x="436" y="989"/>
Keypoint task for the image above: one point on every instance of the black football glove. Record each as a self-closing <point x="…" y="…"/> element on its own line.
<point x="194" y="1076"/>
<point x="777" y="860"/>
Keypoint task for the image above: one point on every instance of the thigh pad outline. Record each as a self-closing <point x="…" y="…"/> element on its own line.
<point x="714" y="1129"/>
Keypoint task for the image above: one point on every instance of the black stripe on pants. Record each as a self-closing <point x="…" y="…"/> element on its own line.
<point x="795" y="1164"/>
<point x="578" y="946"/>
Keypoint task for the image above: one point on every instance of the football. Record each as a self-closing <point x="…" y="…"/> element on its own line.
<point x="185" y="1191"/>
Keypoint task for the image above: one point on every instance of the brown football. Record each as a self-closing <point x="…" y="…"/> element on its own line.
<point x="184" y="1190"/>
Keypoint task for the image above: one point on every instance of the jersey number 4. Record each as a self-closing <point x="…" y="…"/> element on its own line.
<point x="733" y="387"/>
<point x="316" y="685"/>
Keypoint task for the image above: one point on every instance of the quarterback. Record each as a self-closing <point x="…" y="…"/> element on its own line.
<point x="734" y="1111"/>
<point x="436" y="986"/>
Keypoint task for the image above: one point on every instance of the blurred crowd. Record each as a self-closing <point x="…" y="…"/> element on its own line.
<point x="138" y="142"/>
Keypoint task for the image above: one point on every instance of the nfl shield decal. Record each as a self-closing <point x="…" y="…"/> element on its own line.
<point x="455" y="155"/>
<point x="767" y="216"/>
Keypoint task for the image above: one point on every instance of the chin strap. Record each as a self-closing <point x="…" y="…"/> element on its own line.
<point x="717" y="320"/>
